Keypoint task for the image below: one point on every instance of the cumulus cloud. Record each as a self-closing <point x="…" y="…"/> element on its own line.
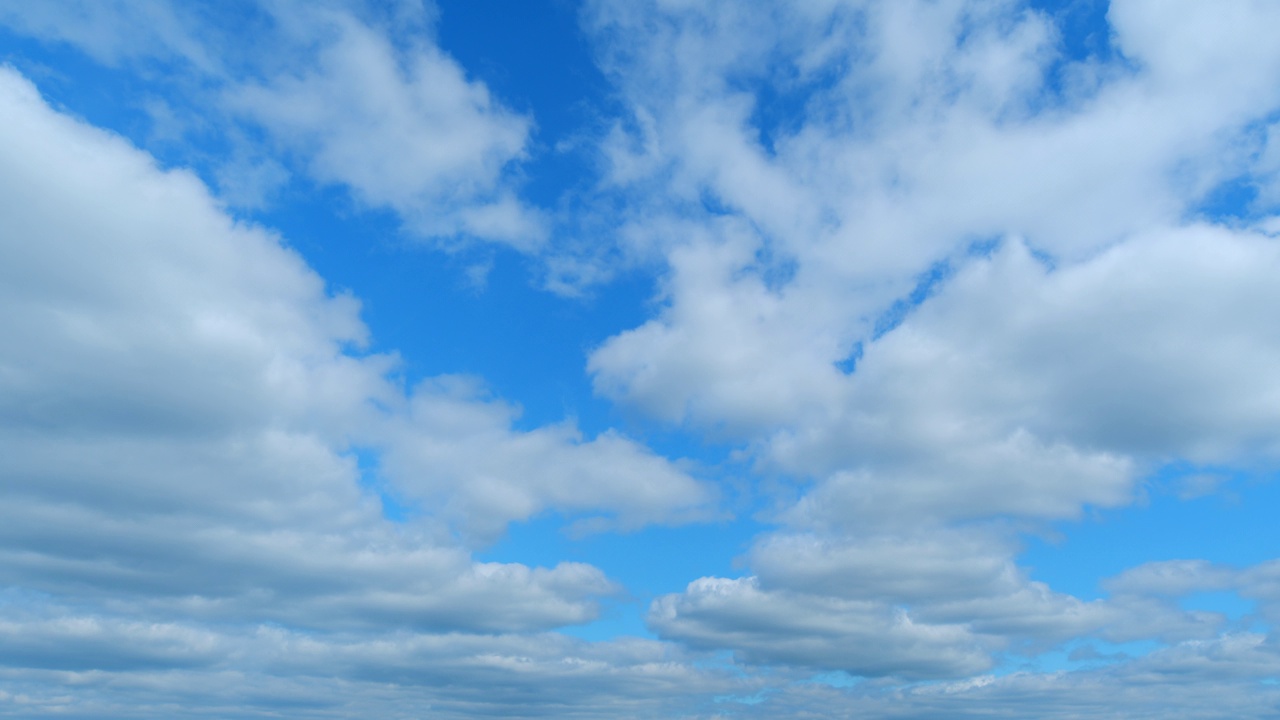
<point x="837" y="215"/>
<point x="1056" y="388"/>
<point x="939" y="604"/>
<point x="937" y="279"/>
<point x="456" y="450"/>
<point x="182" y="405"/>
<point x="404" y="129"/>
<point x="960" y="287"/>
<point x="859" y="637"/>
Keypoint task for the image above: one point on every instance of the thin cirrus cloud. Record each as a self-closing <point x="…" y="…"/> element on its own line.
<point x="929" y="280"/>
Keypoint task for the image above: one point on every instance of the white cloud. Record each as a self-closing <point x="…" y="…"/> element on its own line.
<point x="456" y="450"/>
<point x="951" y="295"/>
<point x="404" y="129"/>
<point x="954" y="292"/>
<point x="944" y="602"/>
<point x="182" y="399"/>
<point x="344" y="93"/>
<point x="909" y="569"/>
<point x="778" y="627"/>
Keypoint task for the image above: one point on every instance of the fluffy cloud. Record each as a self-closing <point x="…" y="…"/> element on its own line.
<point x="456" y="451"/>
<point x="859" y="637"/>
<point x="1023" y="390"/>
<point x="403" y="129"/>
<point x="828" y="220"/>
<point x="936" y="280"/>
<point x="959" y="288"/>
<point x="940" y="604"/>
<point x="183" y="404"/>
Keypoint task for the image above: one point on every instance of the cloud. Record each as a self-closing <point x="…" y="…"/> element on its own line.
<point x="956" y="282"/>
<point x="894" y="161"/>
<point x="455" y="450"/>
<point x="942" y="603"/>
<point x="404" y="129"/>
<point x="1143" y="689"/>
<point x="351" y="94"/>
<point x="936" y="280"/>
<point x="176" y="670"/>
<point x="862" y="638"/>
<point x="1054" y="388"/>
<point x="183" y="406"/>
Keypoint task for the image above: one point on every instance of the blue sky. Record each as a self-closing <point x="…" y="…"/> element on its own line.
<point x="651" y="359"/>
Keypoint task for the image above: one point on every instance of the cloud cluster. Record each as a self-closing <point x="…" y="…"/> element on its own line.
<point x="183" y="409"/>
<point x="963" y="284"/>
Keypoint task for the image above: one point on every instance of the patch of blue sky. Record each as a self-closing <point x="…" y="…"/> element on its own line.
<point x="784" y="102"/>
<point x="529" y="346"/>
<point x="619" y="618"/>
<point x="1229" y="201"/>
<point x="394" y="507"/>
<point x="927" y="283"/>
<point x="849" y="364"/>
<point x="1083" y="30"/>
<point x="836" y="679"/>
<point x="534" y="58"/>
<point x="1085" y="44"/>
<point x="1221" y="515"/>
<point x="1238" y="198"/>
<point x="75" y="83"/>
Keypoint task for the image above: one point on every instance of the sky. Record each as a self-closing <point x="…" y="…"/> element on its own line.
<point x="645" y="359"/>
